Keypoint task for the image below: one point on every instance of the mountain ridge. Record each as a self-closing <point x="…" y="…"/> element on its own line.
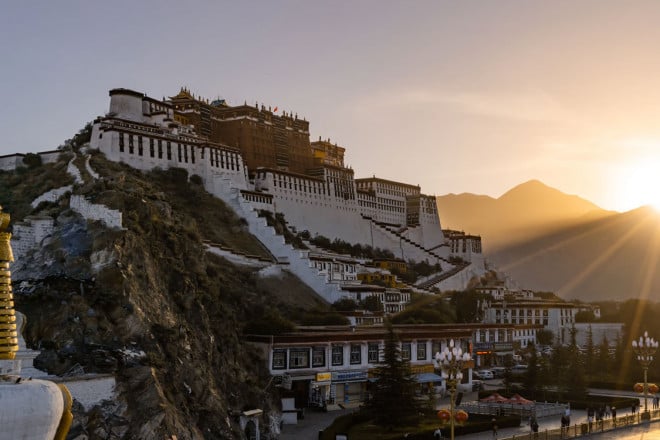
<point x="548" y="240"/>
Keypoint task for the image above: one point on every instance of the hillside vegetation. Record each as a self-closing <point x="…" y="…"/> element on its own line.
<point x="149" y="304"/>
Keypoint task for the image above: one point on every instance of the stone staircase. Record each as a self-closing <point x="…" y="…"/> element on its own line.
<point x="392" y="230"/>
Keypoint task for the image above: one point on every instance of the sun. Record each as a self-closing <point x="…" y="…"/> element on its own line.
<point x="639" y="184"/>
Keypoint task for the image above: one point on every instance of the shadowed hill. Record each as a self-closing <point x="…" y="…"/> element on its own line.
<point x="611" y="258"/>
<point x="525" y="211"/>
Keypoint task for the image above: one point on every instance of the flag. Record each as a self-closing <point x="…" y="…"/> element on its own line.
<point x="275" y="110"/>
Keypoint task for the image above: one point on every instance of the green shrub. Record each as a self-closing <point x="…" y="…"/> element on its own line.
<point x="32" y="160"/>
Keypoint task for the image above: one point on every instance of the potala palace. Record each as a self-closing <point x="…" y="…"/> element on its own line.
<point x="257" y="160"/>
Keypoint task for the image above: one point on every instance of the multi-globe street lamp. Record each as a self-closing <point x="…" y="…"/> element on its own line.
<point x="645" y="349"/>
<point x="451" y="361"/>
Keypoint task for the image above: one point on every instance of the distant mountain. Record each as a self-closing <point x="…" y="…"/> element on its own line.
<point x="528" y="210"/>
<point x="612" y="258"/>
<point x="546" y="240"/>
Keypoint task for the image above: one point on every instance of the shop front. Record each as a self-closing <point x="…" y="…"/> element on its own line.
<point x="319" y="392"/>
<point x="348" y="387"/>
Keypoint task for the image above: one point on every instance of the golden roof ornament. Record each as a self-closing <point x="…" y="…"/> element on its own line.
<point x="8" y="335"/>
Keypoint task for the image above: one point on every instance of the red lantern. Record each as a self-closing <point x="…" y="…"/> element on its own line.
<point x="638" y="387"/>
<point x="444" y="415"/>
<point x="653" y="388"/>
<point x="461" y="416"/>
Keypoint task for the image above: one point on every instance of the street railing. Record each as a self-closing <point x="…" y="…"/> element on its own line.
<point x="538" y="409"/>
<point x="584" y="429"/>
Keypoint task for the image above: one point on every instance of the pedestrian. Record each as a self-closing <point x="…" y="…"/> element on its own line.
<point x="608" y="411"/>
<point x="590" y="416"/>
<point x="535" y="427"/>
<point x="437" y="435"/>
<point x="493" y="424"/>
<point x="614" y="415"/>
<point x="563" y="425"/>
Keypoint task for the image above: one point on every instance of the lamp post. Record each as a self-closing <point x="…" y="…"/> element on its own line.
<point x="645" y="349"/>
<point x="451" y="361"/>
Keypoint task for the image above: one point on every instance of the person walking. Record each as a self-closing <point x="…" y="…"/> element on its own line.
<point x="493" y="424"/>
<point x="535" y="428"/>
<point x="614" y="415"/>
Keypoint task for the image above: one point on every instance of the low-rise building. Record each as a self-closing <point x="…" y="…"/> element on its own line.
<point x="326" y="366"/>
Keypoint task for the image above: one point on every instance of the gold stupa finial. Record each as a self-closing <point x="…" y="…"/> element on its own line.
<point x="8" y="335"/>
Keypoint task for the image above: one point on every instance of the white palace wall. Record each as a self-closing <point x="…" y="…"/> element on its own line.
<point x="110" y="217"/>
<point x="214" y="165"/>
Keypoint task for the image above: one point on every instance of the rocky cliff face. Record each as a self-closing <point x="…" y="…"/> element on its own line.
<point x="148" y="303"/>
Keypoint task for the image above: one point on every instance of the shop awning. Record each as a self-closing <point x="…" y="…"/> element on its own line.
<point x="428" y="377"/>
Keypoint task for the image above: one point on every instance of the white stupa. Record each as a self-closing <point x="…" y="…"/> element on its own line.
<point x="30" y="409"/>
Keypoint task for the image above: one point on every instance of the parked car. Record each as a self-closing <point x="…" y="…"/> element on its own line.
<point x="519" y="369"/>
<point x="486" y="375"/>
<point x="498" y="372"/>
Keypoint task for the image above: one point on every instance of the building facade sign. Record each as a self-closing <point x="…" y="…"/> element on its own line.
<point x="492" y="346"/>
<point x="349" y="376"/>
<point x="323" y="377"/>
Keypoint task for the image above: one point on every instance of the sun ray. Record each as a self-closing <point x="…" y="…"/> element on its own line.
<point x="602" y="258"/>
<point x="560" y="244"/>
<point x="649" y="263"/>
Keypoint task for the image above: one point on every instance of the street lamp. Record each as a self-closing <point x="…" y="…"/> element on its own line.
<point x="644" y="350"/>
<point x="451" y="361"/>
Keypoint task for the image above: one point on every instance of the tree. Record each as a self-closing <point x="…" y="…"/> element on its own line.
<point x="466" y="305"/>
<point x="372" y="303"/>
<point x="345" y="305"/>
<point x="585" y="316"/>
<point x="530" y="380"/>
<point x="603" y="359"/>
<point x="393" y="394"/>
<point x="590" y="355"/>
<point x="544" y="337"/>
<point x="575" y="380"/>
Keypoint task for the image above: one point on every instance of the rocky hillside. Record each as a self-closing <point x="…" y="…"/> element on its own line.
<point x="147" y="302"/>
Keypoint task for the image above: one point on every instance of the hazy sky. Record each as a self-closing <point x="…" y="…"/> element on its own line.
<point x="456" y="96"/>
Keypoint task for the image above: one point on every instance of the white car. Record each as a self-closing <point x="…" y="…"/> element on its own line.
<point x="486" y="375"/>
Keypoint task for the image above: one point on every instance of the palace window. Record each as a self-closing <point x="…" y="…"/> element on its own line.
<point x="169" y="150"/>
<point x="151" y="147"/>
<point x="140" y="145"/>
<point x="192" y="154"/>
<point x="405" y="351"/>
<point x="372" y="353"/>
<point x="121" y="142"/>
<point x="160" y="149"/>
<point x="299" y="358"/>
<point x="421" y="350"/>
<point x="279" y="359"/>
<point x="178" y="147"/>
<point x="318" y="357"/>
<point x="337" y="355"/>
<point x="356" y="354"/>
<point x="130" y="144"/>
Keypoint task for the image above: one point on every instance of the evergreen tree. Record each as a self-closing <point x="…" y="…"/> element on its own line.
<point x="590" y="355"/>
<point x="576" y="383"/>
<point x="393" y="394"/>
<point x="603" y="360"/>
<point x="532" y="374"/>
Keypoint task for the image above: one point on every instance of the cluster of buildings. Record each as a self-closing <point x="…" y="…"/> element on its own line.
<point x="266" y="160"/>
<point x="257" y="159"/>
